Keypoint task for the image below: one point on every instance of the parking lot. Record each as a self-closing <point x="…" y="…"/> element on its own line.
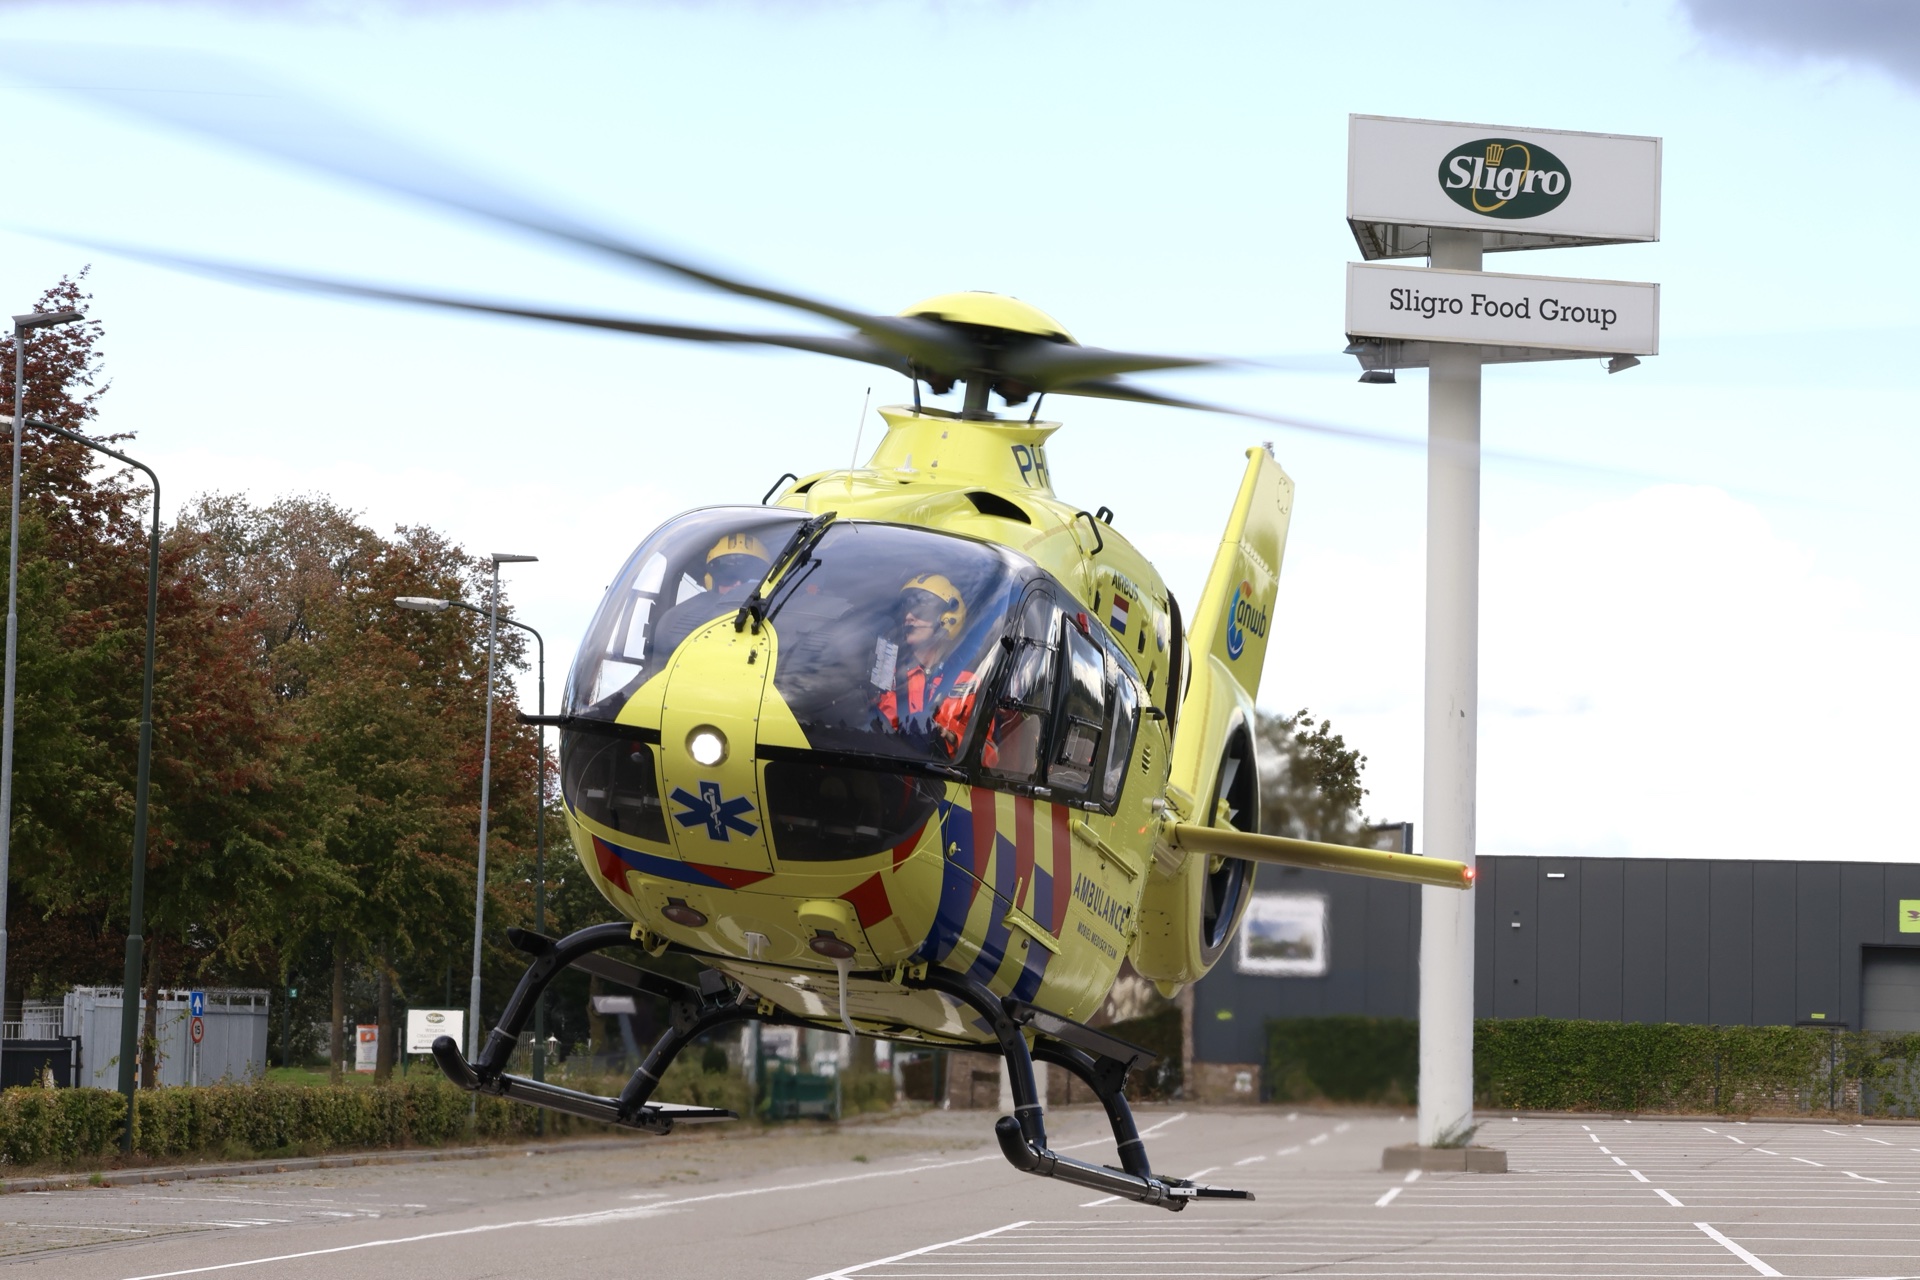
<point x="928" y="1196"/>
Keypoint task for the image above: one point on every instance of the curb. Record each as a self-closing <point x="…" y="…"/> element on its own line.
<point x="241" y="1169"/>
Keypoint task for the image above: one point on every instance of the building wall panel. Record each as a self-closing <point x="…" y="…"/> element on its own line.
<point x="1643" y="969"/>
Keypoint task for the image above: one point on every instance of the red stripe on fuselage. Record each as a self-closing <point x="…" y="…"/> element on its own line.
<point x="904" y="850"/>
<point x="1062" y="867"/>
<point x="870" y="901"/>
<point x="730" y="876"/>
<point x="985" y="830"/>
<point x="1023" y="849"/>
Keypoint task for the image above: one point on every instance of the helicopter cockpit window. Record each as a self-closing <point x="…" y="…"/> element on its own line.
<point x="885" y="636"/>
<point x="1083" y="711"/>
<point x="1125" y="708"/>
<point x="1025" y="708"/>
<point x="692" y="570"/>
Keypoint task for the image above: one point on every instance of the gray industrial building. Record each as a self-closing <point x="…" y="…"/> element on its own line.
<point x="1609" y="939"/>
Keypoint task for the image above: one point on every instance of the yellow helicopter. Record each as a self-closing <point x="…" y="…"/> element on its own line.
<point x="916" y="750"/>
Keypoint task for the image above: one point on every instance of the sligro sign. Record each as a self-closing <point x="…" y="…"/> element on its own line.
<point x="1521" y="188"/>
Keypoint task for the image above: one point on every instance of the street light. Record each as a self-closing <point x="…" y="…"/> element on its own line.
<point x="432" y="604"/>
<point x="486" y="788"/>
<point x="21" y="325"/>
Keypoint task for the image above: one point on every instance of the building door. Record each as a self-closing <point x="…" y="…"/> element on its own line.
<point x="1890" y="989"/>
<point x="1890" y="1001"/>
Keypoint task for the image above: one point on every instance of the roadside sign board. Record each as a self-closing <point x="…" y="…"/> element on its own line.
<point x="1549" y="313"/>
<point x="424" y="1026"/>
<point x="197" y="1028"/>
<point x="197" y="1003"/>
<point x="1521" y="188"/>
<point x="366" y="1047"/>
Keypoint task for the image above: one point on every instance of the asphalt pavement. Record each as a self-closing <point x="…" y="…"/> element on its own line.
<point x="930" y="1196"/>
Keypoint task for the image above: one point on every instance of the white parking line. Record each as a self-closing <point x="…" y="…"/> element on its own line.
<point x="1764" y="1151"/>
<point x="1605" y="1152"/>
<point x="1622" y="1163"/>
<point x="1316" y="1141"/>
<point x="1737" y="1251"/>
<point x="1803" y="1160"/>
<point x="1864" y="1178"/>
<point x="1286" y="1151"/>
<point x="1730" y="1138"/>
<point x="1413" y="1175"/>
<point x="1386" y="1199"/>
<point x="1669" y="1199"/>
<point x="843" y="1272"/>
<point x="1638" y="1176"/>
<point x="1248" y="1160"/>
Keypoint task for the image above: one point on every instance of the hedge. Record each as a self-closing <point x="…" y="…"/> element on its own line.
<point x="239" y="1121"/>
<point x="1552" y="1064"/>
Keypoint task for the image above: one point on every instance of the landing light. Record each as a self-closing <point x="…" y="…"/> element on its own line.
<point x="680" y="913"/>
<point x="707" y="746"/>
<point x="830" y="947"/>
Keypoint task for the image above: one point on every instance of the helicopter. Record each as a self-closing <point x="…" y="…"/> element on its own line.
<point x="917" y="749"/>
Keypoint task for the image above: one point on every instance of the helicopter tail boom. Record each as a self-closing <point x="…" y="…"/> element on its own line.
<point x="1286" y="852"/>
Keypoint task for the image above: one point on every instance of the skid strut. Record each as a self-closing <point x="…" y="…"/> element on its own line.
<point x="1096" y="1058"/>
<point x="1023" y="1135"/>
<point x="694" y="1011"/>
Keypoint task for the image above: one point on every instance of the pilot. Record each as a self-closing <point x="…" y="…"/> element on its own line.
<point x="735" y="566"/>
<point x="918" y="693"/>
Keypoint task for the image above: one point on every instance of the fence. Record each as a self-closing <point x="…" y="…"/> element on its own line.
<point x="234" y="1046"/>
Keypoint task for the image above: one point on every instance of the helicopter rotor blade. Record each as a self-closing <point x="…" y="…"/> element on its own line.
<point x="1114" y="390"/>
<point x="856" y="347"/>
<point x="224" y="100"/>
<point x="1053" y="366"/>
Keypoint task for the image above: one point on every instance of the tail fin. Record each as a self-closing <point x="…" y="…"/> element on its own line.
<point x="1190" y="907"/>
<point x="1234" y="616"/>
<point x="1228" y="642"/>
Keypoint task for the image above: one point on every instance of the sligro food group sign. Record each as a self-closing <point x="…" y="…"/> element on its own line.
<point x="1410" y="181"/>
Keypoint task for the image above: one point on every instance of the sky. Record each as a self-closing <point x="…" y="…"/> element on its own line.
<point x="1698" y="607"/>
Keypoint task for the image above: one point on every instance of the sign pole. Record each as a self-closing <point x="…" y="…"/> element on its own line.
<point x="1452" y="717"/>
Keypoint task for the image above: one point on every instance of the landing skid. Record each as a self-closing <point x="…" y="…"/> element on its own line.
<point x="1101" y="1061"/>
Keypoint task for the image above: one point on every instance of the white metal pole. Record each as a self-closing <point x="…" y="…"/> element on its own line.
<point x="13" y="638"/>
<point x="486" y="786"/>
<point x="1452" y="717"/>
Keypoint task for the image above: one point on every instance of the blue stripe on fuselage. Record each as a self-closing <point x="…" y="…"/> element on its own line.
<point x="956" y="883"/>
<point x="654" y="865"/>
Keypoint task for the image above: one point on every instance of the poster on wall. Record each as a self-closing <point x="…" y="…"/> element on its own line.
<point x="1284" y="935"/>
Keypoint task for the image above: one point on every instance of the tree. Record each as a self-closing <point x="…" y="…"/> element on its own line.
<point x="83" y="597"/>
<point x="1310" y="784"/>
<point x="384" y="710"/>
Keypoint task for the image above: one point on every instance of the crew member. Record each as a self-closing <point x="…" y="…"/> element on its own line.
<point x="918" y="693"/>
<point x="735" y="566"/>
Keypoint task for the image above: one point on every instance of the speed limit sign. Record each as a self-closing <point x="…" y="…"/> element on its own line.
<point x="197" y="1029"/>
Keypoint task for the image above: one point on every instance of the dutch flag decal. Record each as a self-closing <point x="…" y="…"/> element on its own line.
<point x="1117" y="621"/>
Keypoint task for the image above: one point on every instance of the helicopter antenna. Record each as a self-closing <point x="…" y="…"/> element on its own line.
<point x="1035" y="415"/>
<point x="859" y="430"/>
<point x="913" y="379"/>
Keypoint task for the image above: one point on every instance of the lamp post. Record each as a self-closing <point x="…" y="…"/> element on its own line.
<point x="486" y="788"/>
<point x="21" y="326"/>
<point x="136" y="910"/>
<point x="432" y="604"/>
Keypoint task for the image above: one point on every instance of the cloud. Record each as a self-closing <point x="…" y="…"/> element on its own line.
<point x="1881" y="33"/>
<point x="1661" y="675"/>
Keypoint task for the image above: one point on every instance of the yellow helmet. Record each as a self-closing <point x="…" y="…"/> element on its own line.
<point x="953" y="608"/>
<point x="737" y="556"/>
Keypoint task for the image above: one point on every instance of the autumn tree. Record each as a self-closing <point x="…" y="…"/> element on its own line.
<point x="386" y="713"/>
